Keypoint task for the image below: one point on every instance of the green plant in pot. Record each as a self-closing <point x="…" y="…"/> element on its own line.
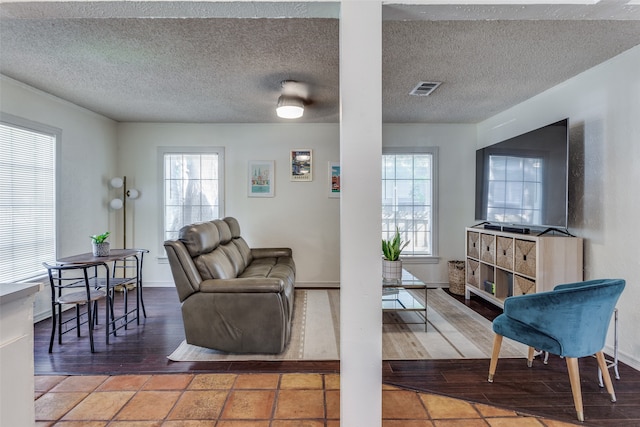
<point x="391" y="250"/>
<point x="100" y="244"/>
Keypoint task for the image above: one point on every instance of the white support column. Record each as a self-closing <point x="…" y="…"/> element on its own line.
<point x="360" y="210"/>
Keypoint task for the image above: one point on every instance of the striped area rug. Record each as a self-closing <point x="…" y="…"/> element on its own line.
<point x="453" y="332"/>
<point x="314" y="334"/>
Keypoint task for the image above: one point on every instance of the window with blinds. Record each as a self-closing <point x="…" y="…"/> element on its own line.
<point x="193" y="187"/>
<point x="409" y="198"/>
<point x="27" y="199"/>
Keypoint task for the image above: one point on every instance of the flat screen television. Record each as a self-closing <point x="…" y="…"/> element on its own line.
<point x="523" y="181"/>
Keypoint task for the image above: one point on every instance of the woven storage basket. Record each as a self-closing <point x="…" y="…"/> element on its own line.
<point x="525" y="257"/>
<point x="456" y="277"/>
<point x="473" y="273"/>
<point x="473" y="244"/>
<point x="488" y="248"/>
<point x="504" y="253"/>
<point x="523" y="286"/>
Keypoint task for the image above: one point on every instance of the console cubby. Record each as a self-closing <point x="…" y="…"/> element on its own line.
<point x="502" y="264"/>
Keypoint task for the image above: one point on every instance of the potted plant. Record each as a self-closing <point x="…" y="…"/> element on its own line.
<point x="99" y="244"/>
<point x="391" y="264"/>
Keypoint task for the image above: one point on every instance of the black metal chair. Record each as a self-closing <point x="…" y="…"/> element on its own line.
<point x="122" y="280"/>
<point x="71" y="285"/>
<point x="130" y="281"/>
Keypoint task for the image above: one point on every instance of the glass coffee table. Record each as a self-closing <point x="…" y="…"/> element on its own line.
<point x="396" y="295"/>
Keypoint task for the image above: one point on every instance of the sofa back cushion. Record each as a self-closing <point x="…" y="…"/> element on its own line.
<point x="244" y="249"/>
<point x="238" y="241"/>
<point x="234" y="226"/>
<point x="235" y="257"/>
<point x="215" y="265"/>
<point x="200" y="238"/>
<point x="223" y="231"/>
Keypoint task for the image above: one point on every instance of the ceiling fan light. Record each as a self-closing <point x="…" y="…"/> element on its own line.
<point x="290" y="107"/>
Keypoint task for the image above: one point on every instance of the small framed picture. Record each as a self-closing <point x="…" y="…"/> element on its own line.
<point x="261" y="178"/>
<point x="334" y="179"/>
<point x="301" y="164"/>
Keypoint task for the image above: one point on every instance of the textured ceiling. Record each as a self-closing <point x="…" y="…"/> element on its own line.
<point x="199" y="62"/>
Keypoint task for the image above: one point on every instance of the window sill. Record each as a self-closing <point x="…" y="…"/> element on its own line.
<point x="420" y="259"/>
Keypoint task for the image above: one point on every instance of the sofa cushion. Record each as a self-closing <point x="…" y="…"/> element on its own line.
<point x="199" y="238"/>
<point x="215" y="265"/>
<point x="234" y="226"/>
<point x="244" y="249"/>
<point x="223" y="230"/>
<point x="282" y="271"/>
<point x="235" y="257"/>
<point x="287" y="261"/>
<point x="256" y="269"/>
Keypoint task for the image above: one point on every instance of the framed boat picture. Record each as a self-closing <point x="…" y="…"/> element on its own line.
<point x="261" y="178"/>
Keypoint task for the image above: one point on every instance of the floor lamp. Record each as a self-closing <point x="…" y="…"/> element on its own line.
<point x="121" y="203"/>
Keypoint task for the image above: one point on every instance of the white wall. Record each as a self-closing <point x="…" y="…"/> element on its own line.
<point x="300" y="216"/>
<point x="456" y="187"/>
<point x="603" y="106"/>
<point x="86" y="163"/>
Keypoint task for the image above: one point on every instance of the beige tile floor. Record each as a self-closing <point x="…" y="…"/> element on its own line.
<point x="244" y="400"/>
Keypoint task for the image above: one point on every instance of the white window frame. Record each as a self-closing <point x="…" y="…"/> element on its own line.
<point x="189" y="150"/>
<point x="55" y="133"/>
<point x="432" y="258"/>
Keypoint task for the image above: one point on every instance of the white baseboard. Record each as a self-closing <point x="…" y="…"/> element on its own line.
<point x="300" y="284"/>
<point x="623" y="357"/>
<point x="158" y="284"/>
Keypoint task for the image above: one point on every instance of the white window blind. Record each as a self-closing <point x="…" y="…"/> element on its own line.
<point x="408" y="198"/>
<point x="27" y="201"/>
<point x="193" y="187"/>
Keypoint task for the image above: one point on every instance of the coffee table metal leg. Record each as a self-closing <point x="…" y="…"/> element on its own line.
<point x="425" y="308"/>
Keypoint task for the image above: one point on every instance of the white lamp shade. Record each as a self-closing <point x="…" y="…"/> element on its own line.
<point x="116" y="182"/>
<point x="290" y="107"/>
<point x="133" y="193"/>
<point x="116" y="204"/>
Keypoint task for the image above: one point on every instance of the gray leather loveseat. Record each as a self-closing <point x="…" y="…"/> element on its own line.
<point x="234" y="298"/>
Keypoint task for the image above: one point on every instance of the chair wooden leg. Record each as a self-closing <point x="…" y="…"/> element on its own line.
<point x="602" y="364"/>
<point x="574" y="378"/>
<point x="497" y="343"/>
<point x="530" y="356"/>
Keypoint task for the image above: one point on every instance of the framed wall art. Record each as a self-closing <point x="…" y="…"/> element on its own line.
<point x="334" y="179"/>
<point x="301" y="165"/>
<point x="261" y="178"/>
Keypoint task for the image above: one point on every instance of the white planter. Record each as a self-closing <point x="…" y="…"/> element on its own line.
<point x="100" y="249"/>
<point x="391" y="270"/>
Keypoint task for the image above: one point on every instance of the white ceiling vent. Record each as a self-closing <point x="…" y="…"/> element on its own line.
<point x="424" y="88"/>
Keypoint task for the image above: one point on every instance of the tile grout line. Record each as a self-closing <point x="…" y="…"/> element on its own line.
<point x="273" y="412"/>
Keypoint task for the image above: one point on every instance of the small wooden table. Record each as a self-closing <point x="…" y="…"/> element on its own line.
<point x="109" y="282"/>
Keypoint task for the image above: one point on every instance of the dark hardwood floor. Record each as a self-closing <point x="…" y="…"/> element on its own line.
<point x="542" y="390"/>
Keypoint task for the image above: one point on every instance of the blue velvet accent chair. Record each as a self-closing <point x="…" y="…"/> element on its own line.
<point x="570" y="321"/>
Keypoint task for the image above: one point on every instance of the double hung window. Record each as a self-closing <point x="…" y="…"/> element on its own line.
<point x="409" y="198"/>
<point x="193" y="186"/>
<point x="27" y="198"/>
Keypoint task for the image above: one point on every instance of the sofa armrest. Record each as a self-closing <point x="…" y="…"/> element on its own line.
<point x="243" y="285"/>
<point x="271" y="252"/>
